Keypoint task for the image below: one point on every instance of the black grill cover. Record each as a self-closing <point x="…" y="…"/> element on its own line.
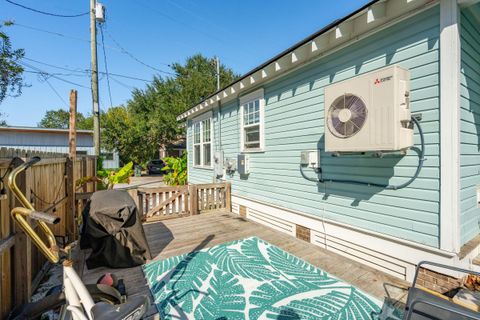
<point x="113" y="229"/>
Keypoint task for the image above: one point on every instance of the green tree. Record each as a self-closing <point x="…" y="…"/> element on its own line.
<point x="122" y="132"/>
<point x="148" y="121"/>
<point x="60" y="119"/>
<point x="11" y="72"/>
<point x="175" y="170"/>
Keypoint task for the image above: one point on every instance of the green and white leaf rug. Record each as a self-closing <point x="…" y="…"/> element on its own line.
<point x="251" y="279"/>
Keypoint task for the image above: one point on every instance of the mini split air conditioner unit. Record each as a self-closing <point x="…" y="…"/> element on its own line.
<point x="369" y="112"/>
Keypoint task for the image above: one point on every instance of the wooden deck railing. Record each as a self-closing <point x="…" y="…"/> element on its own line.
<point x="173" y="202"/>
<point x="213" y="196"/>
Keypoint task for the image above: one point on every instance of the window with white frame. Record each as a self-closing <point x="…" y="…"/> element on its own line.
<point x="252" y="121"/>
<point x="202" y="141"/>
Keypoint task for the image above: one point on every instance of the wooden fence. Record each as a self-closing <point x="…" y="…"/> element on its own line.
<point x="46" y="185"/>
<point x="173" y="202"/>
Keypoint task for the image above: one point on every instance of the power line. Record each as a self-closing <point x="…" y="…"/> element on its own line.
<point x="106" y="65"/>
<point x="123" y="51"/>
<point x="56" y="73"/>
<point x="60" y="74"/>
<point x="54" y="90"/>
<point x="44" y="74"/>
<point x="199" y="16"/>
<point x="128" y="77"/>
<point x="48" y="13"/>
<point x="123" y="84"/>
<point x="85" y="71"/>
<point x="54" y="66"/>
<point x="179" y="22"/>
<point x="14" y="23"/>
<point x="134" y="58"/>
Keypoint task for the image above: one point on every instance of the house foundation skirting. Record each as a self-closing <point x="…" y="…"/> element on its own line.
<point x="388" y="254"/>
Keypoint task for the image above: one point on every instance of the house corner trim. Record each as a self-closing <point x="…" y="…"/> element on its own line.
<point x="449" y="126"/>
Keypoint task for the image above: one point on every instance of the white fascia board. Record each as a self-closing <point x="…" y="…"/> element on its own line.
<point x="203" y="116"/>
<point x="467" y="3"/>
<point x="350" y="31"/>
<point x="450" y="126"/>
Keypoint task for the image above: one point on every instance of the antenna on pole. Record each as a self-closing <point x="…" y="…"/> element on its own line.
<point x="217" y="64"/>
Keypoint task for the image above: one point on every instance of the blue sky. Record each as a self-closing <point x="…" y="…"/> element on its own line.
<point x="243" y="33"/>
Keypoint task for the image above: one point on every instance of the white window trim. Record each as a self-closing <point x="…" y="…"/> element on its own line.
<point x="200" y="119"/>
<point x="256" y="95"/>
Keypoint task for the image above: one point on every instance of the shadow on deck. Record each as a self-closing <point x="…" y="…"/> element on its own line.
<point x="178" y="236"/>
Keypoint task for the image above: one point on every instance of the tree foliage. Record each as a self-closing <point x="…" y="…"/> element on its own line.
<point x="148" y="121"/>
<point x="60" y="119"/>
<point x="11" y="72"/>
<point x="110" y="178"/>
<point x="176" y="170"/>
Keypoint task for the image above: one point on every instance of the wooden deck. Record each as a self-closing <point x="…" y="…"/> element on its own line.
<point x="182" y="235"/>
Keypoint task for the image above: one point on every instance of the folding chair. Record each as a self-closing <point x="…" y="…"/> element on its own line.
<point x="424" y="305"/>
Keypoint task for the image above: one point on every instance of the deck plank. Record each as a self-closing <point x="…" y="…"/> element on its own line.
<point x="178" y="236"/>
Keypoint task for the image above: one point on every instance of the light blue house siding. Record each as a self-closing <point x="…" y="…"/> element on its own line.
<point x="294" y="121"/>
<point x="470" y="123"/>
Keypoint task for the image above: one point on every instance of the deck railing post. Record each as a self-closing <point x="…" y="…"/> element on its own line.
<point x="134" y="194"/>
<point x="192" y="193"/>
<point x="228" y="196"/>
<point x="140" y="203"/>
<point x="186" y="198"/>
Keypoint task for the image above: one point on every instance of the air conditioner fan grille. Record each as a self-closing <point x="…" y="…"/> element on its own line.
<point x="346" y="116"/>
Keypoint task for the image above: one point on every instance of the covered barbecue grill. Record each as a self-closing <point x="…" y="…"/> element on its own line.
<point x="113" y="230"/>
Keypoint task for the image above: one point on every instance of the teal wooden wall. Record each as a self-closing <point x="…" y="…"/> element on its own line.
<point x="294" y="122"/>
<point x="470" y="123"/>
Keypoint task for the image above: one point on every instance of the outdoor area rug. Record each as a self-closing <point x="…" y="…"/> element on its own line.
<point x="251" y="279"/>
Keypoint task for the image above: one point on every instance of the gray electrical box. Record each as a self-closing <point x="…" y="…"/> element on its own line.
<point x="218" y="164"/>
<point x="304" y="158"/>
<point x="310" y="158"/>
<point x="230" y="165"/>
<point x="243" y="165"/>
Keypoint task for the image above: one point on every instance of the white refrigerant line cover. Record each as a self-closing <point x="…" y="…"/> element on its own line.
<point x="369" y="112"/>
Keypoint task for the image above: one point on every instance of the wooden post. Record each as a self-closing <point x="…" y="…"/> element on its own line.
<point x="72" y="132"/>
<point x="84" y="172"/>
<point x="70" y="223"/>
<point x="22" y="248"/>
<point x="192" y="193"/>
<point x="134" y="194"/>
<point x="95" y="172"/>
<point x="6" y="242"/>
<point x="140" y="203"/>
<point x="228" y="196"/>
<point x="186" y="198"/>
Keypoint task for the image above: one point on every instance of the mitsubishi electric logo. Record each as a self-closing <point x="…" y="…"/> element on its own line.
<point x="381" y="80"/>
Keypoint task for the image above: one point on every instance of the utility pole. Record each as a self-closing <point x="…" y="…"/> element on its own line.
<point x="94" y="67"/>
<point x="217" y="63"/>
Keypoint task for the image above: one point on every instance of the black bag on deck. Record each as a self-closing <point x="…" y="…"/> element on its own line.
<point x="113" y="229"/>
